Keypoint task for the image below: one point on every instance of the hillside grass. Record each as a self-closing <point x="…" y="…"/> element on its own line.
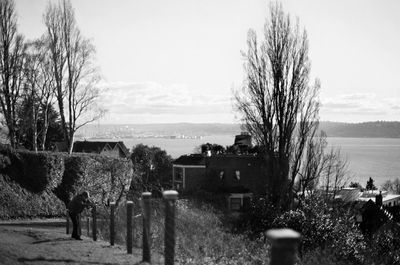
<point x="200" y="235"/>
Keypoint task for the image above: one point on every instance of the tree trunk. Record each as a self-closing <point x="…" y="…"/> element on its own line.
<point x="34" y="127"/>
<point x="45" y="127"/>
<point x="71" y="144"/>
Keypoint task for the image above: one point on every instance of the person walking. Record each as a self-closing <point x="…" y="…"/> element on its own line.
<point x="75" y="208"/>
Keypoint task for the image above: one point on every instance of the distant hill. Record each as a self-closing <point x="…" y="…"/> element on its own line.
<point x="378" y="129"/>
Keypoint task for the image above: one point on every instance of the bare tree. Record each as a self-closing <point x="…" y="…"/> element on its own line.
<point x="314" y="163"/>
<point x="335" y="173"/>
<point x="392" y="186"/>
<point x="278" y="105"/>
<point x="73" y="70"/>
<point x="11" y="62"/>
<point x="39" y="89"/>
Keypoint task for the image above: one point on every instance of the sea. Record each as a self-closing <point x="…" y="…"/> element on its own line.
<point x="378" y="158"/>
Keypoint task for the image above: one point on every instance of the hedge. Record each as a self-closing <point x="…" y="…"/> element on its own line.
<point x="36" y="184"/>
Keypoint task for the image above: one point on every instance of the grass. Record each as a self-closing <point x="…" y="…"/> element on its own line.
<point x="200" y="235"/>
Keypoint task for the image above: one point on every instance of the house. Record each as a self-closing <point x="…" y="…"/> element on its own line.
<point x="238" y="176"/>
<point x="112" y="149"/>
<point x="354" y="194"/>
<point x="373" y="210"/>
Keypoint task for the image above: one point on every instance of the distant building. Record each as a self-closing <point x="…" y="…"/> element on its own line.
<point x="374" y="210"/>
<point x="238" y="176"/>
<point x="112" y="149"/>
<point x="354" y="194"/>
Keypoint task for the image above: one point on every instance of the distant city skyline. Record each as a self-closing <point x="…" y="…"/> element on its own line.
<point x="178" y="60"/>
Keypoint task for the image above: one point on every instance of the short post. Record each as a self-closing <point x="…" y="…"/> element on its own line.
<point x="112" y="223"/>
<point x="88" y="226"/>
<point x="67" y="224"/>
<point x="94" y="224"/>
<point x="170" y="196"/>
<point x="129" y="213"/>
<point x="134" y="231"/>
<point x="284" y="246"/>
<point x="80" y="224"/>
<point x="146" y="200"/>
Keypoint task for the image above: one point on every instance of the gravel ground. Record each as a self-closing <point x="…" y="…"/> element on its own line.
<point x="33" y="244"/>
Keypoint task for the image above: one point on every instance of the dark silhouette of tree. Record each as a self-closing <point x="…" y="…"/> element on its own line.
<point x="153" y="164"/>
<point x="370" y="184"/>
<point x="355" y="185"/>
<point x="278" y="105"/>
<point x="213" y="148"/>
<point x="12" y="50"/>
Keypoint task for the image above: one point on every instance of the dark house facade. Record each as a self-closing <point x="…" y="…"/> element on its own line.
<point x="238" y="176"/>
<point x="219" y="173"/>
<point x="235" y="174"/>
<point x="188" y="172"/>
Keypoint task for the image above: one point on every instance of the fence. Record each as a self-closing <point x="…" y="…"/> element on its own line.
<point x="283" y="242"/>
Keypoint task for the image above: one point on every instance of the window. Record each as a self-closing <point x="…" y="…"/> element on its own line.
<point x="237" y="175"/>
<point x="236" y="204"/>
<point x="221" y="175"/>
<point x="239" y="201"/>
<point x="178" y="178"/>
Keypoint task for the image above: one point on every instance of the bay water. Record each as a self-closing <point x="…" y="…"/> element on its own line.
<point x="378" y="158"/>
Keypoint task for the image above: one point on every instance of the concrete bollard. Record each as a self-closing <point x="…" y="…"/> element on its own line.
<point x="146" y="200"/>
<point x="170" y="197"/>
<point x="129" y="213"/>
<point x="67" y="223"/>
<point x="94" y="223"/>
<point x="88" y="226"/>
<point x="284" y="246"/>
<point x="112" y="223"/>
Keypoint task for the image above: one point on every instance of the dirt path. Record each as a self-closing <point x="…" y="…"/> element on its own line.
<point x="50" y="245"/>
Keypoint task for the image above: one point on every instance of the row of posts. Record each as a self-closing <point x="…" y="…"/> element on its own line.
<point x="284" y="242"/>
<point x="170" y="198"/>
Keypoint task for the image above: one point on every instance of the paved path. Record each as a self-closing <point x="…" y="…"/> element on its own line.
<point x="20" y="244"/>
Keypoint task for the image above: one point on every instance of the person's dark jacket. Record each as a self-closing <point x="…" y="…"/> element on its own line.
<point x="78" y="204"/>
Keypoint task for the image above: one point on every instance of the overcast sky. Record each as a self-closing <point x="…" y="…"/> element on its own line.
<point x="178" y="60"/>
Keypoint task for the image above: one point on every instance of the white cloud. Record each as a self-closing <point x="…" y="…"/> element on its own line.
<point x="151" y="102"/>
<point x="360" y="107"/>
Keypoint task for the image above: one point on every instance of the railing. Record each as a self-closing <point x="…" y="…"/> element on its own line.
<point x="284" y="242"/>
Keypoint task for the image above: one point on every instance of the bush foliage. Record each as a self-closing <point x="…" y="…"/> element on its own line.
<point x="35" y="184"/>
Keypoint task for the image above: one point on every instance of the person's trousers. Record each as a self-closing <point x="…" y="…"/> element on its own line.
<point x="75" y="225"/>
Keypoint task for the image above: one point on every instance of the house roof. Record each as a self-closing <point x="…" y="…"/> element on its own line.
<point x="192" y="160"/>
<point x="97" y="147"/>
<point x="243" y="139"/>
<point x="60" y="147"/>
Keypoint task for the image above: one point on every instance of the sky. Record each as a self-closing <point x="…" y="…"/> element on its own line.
<point x="178" y="60"/>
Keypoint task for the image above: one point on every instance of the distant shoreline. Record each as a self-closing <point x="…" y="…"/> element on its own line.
<point x="378" y="129"/>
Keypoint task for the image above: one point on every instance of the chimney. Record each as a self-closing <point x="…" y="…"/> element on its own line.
<point x="378" y="199"/>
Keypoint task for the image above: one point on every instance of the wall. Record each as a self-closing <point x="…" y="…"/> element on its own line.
<point x="193" y="178"/>
<point x="251" y="170"/>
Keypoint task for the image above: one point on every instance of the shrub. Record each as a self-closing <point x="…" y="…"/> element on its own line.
<point x="17" y="202"/>
<point x="258" y="218"/>
<point x="39" y="178"/>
